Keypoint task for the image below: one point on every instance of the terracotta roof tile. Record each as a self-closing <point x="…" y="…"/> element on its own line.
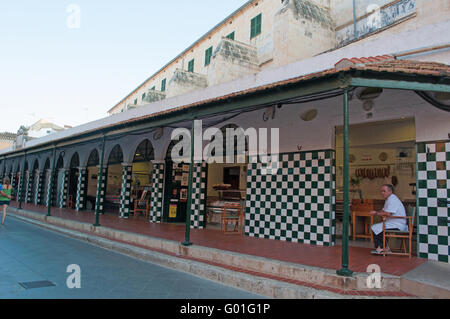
<point x="407" y="66"/>
<point x="382" y="63"/>
<point x="364" y="60"/>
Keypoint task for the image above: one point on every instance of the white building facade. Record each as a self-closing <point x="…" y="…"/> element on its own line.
<point x="293" y="79"/>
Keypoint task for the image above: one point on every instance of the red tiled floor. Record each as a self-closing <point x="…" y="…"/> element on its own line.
<point x="316" y="256"/>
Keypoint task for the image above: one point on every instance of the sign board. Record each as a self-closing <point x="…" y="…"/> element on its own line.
<point x="173" y="211"/>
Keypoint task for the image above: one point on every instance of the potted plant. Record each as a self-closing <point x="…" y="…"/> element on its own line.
<point x="354" y="181"/>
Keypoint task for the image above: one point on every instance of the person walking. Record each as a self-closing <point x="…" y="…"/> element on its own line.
<point x="5" y="196"/>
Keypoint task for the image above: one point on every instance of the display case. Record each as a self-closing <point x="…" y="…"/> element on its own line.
<point x="177" y="179"/>
<point x="214" y="205"/>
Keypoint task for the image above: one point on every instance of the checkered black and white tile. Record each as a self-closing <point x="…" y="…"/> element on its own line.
<point x="198" y="204"/>
<point x="23" y="186"/>
<point x="20" y="187"/>
<point x="101" y="190"/>
<point x="39" y="188"/>
<point x="294" y="199"/>
<point x="14" y="181"/>
<point x="157" y="193"/>
<point x="29" y="187"/>
<point x="51" y="190"/>
<point x="125" y="193"/>
<point x="26" y="187"/>
<point x="433" y="190"/>
<point x="64" y="188"/>
<point x="81" y="189"/>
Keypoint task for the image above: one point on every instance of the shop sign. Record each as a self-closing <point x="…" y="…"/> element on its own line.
<point x="173" y="211"/>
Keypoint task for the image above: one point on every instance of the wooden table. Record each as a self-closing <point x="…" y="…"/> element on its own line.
<point x="232" y="213"/>
<point x="367" y="231"/>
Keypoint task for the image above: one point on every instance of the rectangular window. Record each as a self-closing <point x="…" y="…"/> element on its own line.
<point x="135" y="101"/>
<point x="191" y="66"/>
<point x="208" y="55"/>
<point x="143" y="96"/>
<point x="163" y="85"/>
<point x="255" y="28"/>
<point x="153" y="88"/>
<point x="231" y="36"/>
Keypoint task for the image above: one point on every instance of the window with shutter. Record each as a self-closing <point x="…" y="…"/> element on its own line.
<point x="191" y="66"/>
<point x="208" y="55"/>
<point x="231" y="36"/>
<point x="255" y="28"/>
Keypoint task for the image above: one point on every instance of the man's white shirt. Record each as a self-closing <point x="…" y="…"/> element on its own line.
<point x="394" y="206"/>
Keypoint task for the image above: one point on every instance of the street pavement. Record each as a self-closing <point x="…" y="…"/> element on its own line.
<point x="29" y="254"/>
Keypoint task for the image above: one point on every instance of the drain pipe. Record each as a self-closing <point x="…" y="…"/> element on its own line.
<point x="345" y="271"/>
<point x="354" y="19"/>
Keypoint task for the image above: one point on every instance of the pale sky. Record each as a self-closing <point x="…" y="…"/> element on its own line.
<point x="71" y="76"/>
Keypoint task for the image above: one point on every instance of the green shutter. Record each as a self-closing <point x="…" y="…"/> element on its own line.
<point x="255" y="28"/>
<point x="231" y="36"/>
<point x="143" y="96"/>
<point x="191" y="66"/>
<point x="153" y="88"/>
<point x="208" y="55"/>
<point x="135" y="101"/>
<point x="163" y="85"/>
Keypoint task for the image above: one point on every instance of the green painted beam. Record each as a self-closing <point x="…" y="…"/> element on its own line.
<point x="400" y="85"/>
<point x="268" y="97"/>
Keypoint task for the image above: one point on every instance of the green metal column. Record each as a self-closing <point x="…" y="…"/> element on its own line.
<point x="22" y="176"/>
<point x="189" y="203"/>
<point x="50" y="186"/>
<point x="346" y="218"/>
<point x="100" y="178"/>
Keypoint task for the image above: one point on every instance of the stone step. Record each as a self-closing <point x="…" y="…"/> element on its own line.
<point x="213" y="263"/>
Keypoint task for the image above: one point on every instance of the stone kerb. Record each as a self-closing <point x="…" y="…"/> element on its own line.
<point x="307" y="274"/>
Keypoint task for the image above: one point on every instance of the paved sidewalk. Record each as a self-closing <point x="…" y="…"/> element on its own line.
<point x="29" y="253"/>
<point x="260" y="257"/>
<point x="310" y="255"/>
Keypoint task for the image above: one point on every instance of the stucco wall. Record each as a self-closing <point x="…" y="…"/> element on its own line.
<point x="288" y="36"/>
<point x="301" y="30"/>
<point x="183" y="82"/>
<point x="424" y="12"/>
<point x="231" y="60"/>
<point x="239" y="23"/>
<point x="5" y="144"/>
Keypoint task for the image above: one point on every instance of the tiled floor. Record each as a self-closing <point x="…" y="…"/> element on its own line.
<point x="324" y="257"/>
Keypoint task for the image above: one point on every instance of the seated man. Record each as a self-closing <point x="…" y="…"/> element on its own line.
<point x="392" y="207"/>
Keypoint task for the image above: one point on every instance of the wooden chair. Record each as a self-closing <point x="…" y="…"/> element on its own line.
<point x="70" y="202"/>
<point x="232" y="213"/>
<point x="142" y="205"/>
<point x="361" y="208"/>
<point x="405" y="250"/>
